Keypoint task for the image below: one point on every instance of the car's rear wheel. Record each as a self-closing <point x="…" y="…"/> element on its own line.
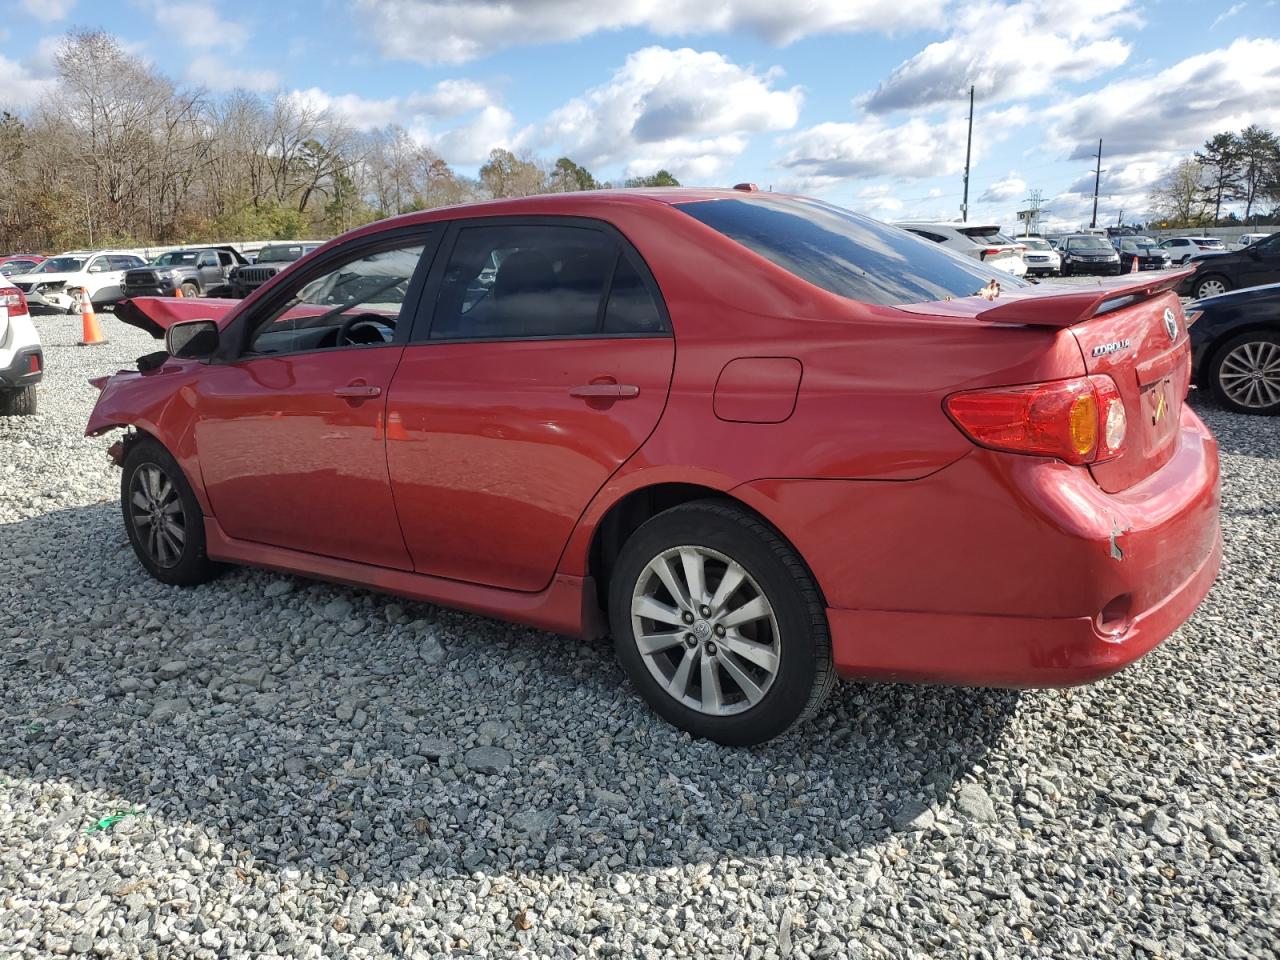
<point x="190" y="290"/>
<point x="18" y="403"/>
<point x="1211" y="286"/>
<point x="719" y="625"/>
<point x="163" y="517"/>
<point x="1245" y="373"/>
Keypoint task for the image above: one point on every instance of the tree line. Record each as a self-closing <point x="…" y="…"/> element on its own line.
<point x="121" y="155"/>
<point x="1232" y="168"/>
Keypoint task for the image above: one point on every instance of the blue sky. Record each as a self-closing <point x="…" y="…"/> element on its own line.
<point x="860" y="102"/>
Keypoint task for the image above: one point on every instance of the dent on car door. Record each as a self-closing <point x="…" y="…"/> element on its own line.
<point x="546" y="365"/>
<point x="290" y="429"/>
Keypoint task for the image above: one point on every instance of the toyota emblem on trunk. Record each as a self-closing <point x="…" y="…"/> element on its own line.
<point x="1170" y="324"/>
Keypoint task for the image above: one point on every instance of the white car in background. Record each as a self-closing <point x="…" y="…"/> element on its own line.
<point x="985" y="243"/>
<point x="55" y="285"/>
<point x="21" y="359"/>
<point x="1182" y="249"/>
<point x="1247" y="240"/>
<point x="1041" y="259"/>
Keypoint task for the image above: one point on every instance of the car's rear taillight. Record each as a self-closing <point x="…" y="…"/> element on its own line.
<point x="1080" y="420"/>
<point x="991" y="252"/>
<point x="15" y="300"/>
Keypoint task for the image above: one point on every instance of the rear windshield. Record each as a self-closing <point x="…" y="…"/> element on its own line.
<point x="991" y="234"/>
<point x="845" y="253"/>
<point x="280" y="254"/>
<point x="1209" y="244"/>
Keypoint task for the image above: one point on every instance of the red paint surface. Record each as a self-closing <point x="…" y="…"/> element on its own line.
<point x="484" y="482"/>
<point x="758" y="389"/>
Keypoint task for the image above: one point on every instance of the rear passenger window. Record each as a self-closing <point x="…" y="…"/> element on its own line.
<point x="525" y="281"/>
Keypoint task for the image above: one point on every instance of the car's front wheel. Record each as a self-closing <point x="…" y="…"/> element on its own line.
<point x="189" y="289"/>
<point x="1211" y="286"/>
<point x="719" y="625"/>
<point x="1245" y="373"/>
<point x="163" y="517"/>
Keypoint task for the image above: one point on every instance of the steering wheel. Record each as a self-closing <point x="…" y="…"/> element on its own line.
<point x="370" y="321"/>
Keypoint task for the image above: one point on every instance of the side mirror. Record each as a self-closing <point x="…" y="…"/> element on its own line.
<point x="192" y="339"/>
<point x="95" y="268"/>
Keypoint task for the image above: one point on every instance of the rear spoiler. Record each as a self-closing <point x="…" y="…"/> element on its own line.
<point x="157" y="314"/>
<point x="1052" y="304"/>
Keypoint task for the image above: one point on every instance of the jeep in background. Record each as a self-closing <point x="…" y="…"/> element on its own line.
<point x="197" y="272"/>
<point x="271" y="260"/>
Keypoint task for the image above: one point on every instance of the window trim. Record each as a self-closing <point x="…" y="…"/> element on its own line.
<point x="420" y="334"/>
<point x="238" y="334"/>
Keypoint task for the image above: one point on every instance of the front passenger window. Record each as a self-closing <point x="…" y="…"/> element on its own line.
<point x="357" y="303"/>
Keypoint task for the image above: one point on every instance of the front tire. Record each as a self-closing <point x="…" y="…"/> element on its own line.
<point x="190" y="290"/>
<point x="18" y="403"/>
<point x="1245" y="373"/>
<point x="163" y="517"/>
<point x="1211" y="286"/>
<point x="719" y="625"/>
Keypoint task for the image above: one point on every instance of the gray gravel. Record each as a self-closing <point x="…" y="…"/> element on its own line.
<point x="313" y="771"/>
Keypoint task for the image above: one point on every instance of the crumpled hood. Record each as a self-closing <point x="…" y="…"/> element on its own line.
<point x="75" y="279"/>
<point x="157" y="314"/>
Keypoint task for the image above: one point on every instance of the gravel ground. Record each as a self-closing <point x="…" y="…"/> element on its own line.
<point x="306" y="770"/>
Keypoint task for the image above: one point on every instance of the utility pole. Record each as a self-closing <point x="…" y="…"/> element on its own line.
<point x="968" y="153"/>
<point x="1031" y="215"/>
<point x="1097" y="179"/>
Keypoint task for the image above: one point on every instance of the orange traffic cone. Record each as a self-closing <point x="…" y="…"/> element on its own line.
<point x="179" y="293"/>
<point x="91" y="333"/>
<point x="395" y="427"/>
<point x="1135" y="268"/>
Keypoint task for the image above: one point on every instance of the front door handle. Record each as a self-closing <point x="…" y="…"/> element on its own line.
<point x="605" y="391"/>
<point x="358" y="391"/>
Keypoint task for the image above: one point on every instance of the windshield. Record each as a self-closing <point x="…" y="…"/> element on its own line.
<point x="16" y="266"/>
<point x="846" y="253"/>
<point x="1140" y="246"/>
<point x="1209" y="244"/>
<point x="1090" y="243"/>
<point x="61" y="265"/>
<point x="175" y="257"/>
<point x="281" y="254"/>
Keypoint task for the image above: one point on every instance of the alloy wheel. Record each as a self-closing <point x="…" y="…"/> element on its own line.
<point x="705" y="630"/>
<point x="1250" y="374"/>
<point x="155" y="508"/>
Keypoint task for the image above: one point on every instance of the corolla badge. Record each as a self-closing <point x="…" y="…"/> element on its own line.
<point x="1104" y="349"/>
<point x="1170" y="324"/>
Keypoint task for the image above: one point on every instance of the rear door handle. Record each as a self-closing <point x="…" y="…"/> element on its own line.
<point x="605" y="391"/>
<point x="358" y="391"/>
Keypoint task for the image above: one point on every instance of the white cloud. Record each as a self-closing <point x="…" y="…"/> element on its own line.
<point x="454" y="31"/>
<point x="1009" y="51"/>
<point x="198" y="25"/>
<point x="487" y="124"/>
<point x="683" y="110"/>
<point x="20" y="87"/>
<point x="915" y="149"/>
<point x="1012" y="187"/>
<point x="1174" y="111"/>
<point x="213" y="72"/>
<point x="48" y="10"/>
<point x="1231" y="12"/>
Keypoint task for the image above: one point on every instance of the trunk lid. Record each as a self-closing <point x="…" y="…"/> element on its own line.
<point x="1130" y="328"/>
<point x="1143" y="346"/>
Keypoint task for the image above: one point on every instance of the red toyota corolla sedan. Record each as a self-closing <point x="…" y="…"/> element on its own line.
<point x="761" y="440"/>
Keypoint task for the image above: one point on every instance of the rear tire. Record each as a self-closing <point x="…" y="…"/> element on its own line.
<point x="18" y="403"/>
<point x="747" y="659"/>
<point x="1244" y="373"/>
<point x="163" y="517"/>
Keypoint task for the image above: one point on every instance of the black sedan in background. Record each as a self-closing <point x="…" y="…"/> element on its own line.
<point x="1086" y="253"/>
<point x="1217" y="273"/>
<point x="1145" y="250"/>
<point x="1235" y="348"/>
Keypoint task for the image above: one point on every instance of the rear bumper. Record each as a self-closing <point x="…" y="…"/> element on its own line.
<point x="18" y="371"/>
<point x="1002" y="570"/>
<point x="991" y="651"/>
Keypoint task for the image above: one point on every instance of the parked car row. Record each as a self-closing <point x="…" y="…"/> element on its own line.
<point x="53" y="284"/>
<point x="1220" y="271"/>
<point x="21" y="358"/>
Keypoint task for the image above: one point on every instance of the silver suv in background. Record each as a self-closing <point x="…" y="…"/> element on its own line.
<point x="982" y="242"/>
